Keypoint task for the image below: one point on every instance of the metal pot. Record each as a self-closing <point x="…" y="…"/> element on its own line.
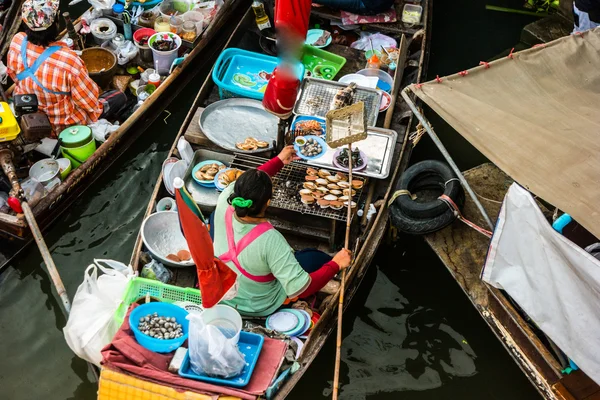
<point x="101" y="64"/>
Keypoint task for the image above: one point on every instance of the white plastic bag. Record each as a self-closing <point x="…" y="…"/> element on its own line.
<point x="211" y="353"/>
<point x="91" y="324"/>
<point x="102" y="129"/>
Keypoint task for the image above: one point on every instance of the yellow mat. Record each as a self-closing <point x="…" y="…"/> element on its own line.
<point x="118" y="386"/>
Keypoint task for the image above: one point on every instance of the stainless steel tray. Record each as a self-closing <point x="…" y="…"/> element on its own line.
<point x="378" y="147"/>
<point x="316" y="96"/>
<point x="227" y="122"/>
<point x="205" y="197"/>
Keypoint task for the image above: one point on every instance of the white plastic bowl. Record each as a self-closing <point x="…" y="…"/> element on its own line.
<point x="162" y="236"/>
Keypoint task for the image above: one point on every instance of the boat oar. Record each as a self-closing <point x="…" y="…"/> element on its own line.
<point x="39" y="240"/>
<point x="47" y="257"/>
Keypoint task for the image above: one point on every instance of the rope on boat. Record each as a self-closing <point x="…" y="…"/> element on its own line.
<point x="459" y="215"/>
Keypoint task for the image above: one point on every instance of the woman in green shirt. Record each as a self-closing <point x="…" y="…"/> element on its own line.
<point x="268" y="270"/>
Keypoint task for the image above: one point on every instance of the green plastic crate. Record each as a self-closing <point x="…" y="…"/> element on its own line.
<point x="139" y="287"/>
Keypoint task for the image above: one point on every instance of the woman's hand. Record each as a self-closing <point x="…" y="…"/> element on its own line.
<point x="287" y="155"/>
<point x="343" y="258"/>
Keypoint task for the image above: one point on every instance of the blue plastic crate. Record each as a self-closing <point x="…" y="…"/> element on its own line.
<point x="242" y="73"/>
<point x="250" y="344"/>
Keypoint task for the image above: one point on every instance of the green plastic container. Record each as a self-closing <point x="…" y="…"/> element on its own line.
<point x="321" y="64"/>
<point x="139" y="287"/>
<point x="77" y="144"/>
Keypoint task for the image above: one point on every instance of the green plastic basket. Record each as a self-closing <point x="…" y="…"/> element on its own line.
<point x="321" y="64"/>
<point x="139" y="287"/>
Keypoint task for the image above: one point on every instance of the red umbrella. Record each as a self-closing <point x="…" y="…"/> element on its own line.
<point x="215" y="278"/>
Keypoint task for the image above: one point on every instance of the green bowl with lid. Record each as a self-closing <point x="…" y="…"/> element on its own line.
<point x="77" y="144"/>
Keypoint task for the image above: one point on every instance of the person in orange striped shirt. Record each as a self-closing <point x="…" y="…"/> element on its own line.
<point x="50" y="70"/>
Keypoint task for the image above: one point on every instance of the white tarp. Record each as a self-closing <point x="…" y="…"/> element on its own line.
<point x="554" y="281"/>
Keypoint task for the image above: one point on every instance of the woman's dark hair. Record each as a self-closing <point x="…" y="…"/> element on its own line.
<point x="253" y="185"/>
<point x="43" y="38"/>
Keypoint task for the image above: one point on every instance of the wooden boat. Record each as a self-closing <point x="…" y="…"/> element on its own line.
<point x="13" y="228"/>
<point x="464" y="250"/>
<point x="317" y="232"/>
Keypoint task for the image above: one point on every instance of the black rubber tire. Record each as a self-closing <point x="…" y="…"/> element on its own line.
<point x="417" y="226"/>
<point x="423" y="175"/>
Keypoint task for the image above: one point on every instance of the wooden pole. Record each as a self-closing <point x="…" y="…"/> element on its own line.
<point x="338" y="345"/>
<point x="39" y="240"/>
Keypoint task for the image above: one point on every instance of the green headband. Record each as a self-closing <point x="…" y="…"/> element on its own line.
<point x="241" y="202"/>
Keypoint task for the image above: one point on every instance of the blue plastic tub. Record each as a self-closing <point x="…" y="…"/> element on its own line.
<point x="242" y="73"/>
<point x="163" y="310"/>
<point x="250" y="344"/>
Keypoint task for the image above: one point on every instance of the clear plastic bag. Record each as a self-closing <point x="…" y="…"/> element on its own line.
<point x="156" y="271"/>
<point x="210" y="352"/>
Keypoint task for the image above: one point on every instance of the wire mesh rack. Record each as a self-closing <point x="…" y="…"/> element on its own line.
<point x="286" y="185"/>
<point x="316" y="96"/>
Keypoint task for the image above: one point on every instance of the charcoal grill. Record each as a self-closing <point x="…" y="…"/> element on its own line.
<point x="286" y="185"/>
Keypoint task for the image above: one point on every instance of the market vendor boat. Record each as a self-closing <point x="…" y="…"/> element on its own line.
<point x="303" y="226"/>
<point x="551" y="150"/>
<point x="200" y="54"/>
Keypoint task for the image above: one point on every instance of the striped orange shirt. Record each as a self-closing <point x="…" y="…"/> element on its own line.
<point x="64" y="71"/>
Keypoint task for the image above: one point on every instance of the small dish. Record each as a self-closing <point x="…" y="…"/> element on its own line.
<point x="386" y="100"/>
<point x="354" y="168"/>
<point x="318" y="140"/>
<point x="205" y="183"/>
<point x="313" y="35"/>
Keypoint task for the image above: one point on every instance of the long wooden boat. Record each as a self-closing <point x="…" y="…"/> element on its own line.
<point x="315" y="232"/>
<point x="463" y="250"/>
<point x="13" y="228"/>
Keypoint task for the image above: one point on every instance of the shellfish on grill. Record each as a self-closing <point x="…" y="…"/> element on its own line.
<point x="323" y="173"/>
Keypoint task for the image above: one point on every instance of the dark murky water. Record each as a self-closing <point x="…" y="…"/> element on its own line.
<point x="410" y="331"/>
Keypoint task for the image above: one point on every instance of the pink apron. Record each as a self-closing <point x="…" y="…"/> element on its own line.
<point x="235" y="250"/>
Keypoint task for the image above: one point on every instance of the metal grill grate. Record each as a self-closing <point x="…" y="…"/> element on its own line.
<point x="286" y="185"/>
<point x="317" y="95"/>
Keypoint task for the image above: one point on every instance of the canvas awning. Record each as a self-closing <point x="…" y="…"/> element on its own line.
<point x="536" y="115"/>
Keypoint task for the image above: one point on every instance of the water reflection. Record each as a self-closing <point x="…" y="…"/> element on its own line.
<point x="397" y="346"/>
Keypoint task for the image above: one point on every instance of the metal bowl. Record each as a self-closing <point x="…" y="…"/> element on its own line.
<point x="162" y="236"/>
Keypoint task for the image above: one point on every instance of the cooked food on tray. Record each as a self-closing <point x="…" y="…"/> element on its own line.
<point x="209" y="171"/>
<point x="308" y="127"/>
<point x="251" y="144"/>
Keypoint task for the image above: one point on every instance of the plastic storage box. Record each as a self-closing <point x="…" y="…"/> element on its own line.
<point x="242" y="73"/>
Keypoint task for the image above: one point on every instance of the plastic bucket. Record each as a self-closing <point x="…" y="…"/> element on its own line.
<point x="145" y="52"/>
<point x="197" y="18"/>
<point x="164" y="59"/>
<point x="78" y="155"/>
<point x="226" y="318"/>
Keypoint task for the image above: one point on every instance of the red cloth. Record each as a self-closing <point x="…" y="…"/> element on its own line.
<point x="320" y="277"/>
<point x="215" y="278"/>
<point x="124" y="354"/>
<point x="272" y="167"/>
